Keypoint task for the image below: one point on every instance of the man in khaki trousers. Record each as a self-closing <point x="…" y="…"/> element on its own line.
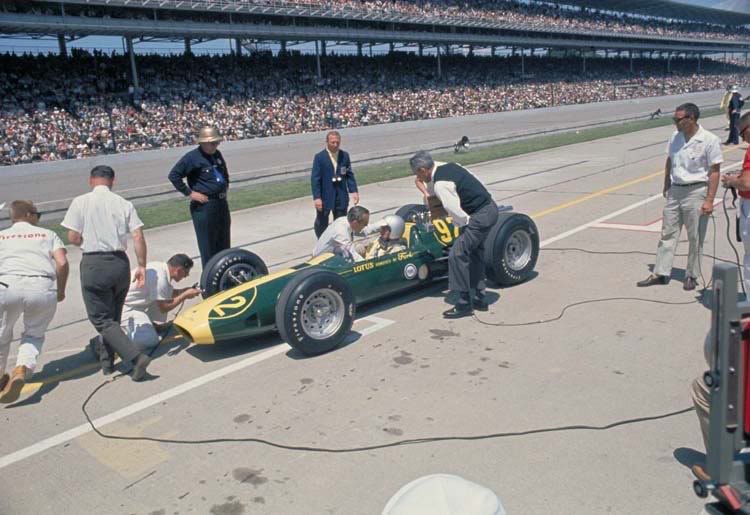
<point x="691" y="177"/>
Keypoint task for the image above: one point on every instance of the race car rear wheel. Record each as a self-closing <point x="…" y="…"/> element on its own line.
<point x="414" y="213"/>
<point x="229" y="268"/>
<point x="511" y="249"/>
<point x="315" y="311"/>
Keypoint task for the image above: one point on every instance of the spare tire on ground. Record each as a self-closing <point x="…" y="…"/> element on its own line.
<point x="230" y="268"/>
<point x="315" y="311"/>
<point x="511" y="249"/>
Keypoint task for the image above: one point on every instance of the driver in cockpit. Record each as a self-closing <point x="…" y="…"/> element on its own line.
<point x="390" y="238"/>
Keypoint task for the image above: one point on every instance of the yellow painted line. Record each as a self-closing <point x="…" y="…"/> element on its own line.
<point x="595" y="194"/>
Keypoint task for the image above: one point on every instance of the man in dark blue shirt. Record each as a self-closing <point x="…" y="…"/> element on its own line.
<point x="207" y="183"/>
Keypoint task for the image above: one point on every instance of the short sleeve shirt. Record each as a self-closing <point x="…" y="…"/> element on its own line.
<point x="28" y="250"/>
<point x="156" y="287"/>
<point x="691" y="160"/>
<point x="103" y="218"/>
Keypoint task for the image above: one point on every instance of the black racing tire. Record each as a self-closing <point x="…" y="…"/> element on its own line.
<point x="413" y="212"/>
<point x="315" y="311"/>
<point x="230" y="268"/>
<point x="511" y="249"/>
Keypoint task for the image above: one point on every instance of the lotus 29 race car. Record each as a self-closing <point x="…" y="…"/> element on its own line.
<point x="313" y="304"/>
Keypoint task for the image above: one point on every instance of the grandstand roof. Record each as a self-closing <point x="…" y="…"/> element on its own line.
<point x="666" y="9"/>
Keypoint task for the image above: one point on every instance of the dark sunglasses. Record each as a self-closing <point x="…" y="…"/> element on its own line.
<point x="678" y="120"/>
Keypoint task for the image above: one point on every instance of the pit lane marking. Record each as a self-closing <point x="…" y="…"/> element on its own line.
<point x="377" y="323"/>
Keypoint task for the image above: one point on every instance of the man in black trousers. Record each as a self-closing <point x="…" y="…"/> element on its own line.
<point x="472" y="208"/>
<point x="99" y="222"/>
<point x="207" y="184"/>
<point x="734" y="109"/>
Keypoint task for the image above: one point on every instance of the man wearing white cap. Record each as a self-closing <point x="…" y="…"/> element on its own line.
<point x="444" y="494"/>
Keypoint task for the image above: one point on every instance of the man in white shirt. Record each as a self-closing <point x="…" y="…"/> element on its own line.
<point x="150" y="303"/>
<point x="99" y="222"/>
<point x="691" y="177"/>
<point x="33" y="274"/>
<point x="472" y="208"/>
<point x="339" y="236"/>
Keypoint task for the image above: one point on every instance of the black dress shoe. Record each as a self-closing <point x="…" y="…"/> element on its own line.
<point x="459" y="311"/>
<point x="651" y="280"/>
<point x="479" y="303"/>
<point x="690" y="284"/>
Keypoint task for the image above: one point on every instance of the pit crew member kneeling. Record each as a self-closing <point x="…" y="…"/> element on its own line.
<point x="339" y="236"/>
<point x="473" y="210"/>
<point x="146" y="307"/>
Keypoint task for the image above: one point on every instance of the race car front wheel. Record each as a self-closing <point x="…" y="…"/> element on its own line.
<point x="315" y="311"/>
<point x="229" y="268"/>
<point x="511" y="249"/>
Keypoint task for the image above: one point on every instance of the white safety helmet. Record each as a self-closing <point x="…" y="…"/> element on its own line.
<point x="396" y="223"/>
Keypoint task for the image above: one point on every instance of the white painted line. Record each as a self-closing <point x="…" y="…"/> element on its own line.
<point x="47" y="443"/>
<point x="654" y="226"/>
<point x="616" y="214"/>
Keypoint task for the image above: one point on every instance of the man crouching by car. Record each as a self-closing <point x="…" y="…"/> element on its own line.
<point x="339" y="236"/>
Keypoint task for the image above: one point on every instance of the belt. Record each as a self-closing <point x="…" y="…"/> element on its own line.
<point x="23" y="275"/>
<point x="689" y="184"/>
<point x="104" y="253"/>
<point x="217" y="196"/>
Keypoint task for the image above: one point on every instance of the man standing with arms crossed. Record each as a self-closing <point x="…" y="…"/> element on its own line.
<point x="207" y="184"/>
<point x="691" y="177"/>
<point x="99" y="223"/>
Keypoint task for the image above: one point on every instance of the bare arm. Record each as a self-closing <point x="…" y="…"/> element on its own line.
<point x="61" y="270"/>
<point x="667" y="172"/>
<point x="75" y="238"/>
<point x="139" y="242"/>
<point x="713" y="181"/>
<point x="165" y="306"/>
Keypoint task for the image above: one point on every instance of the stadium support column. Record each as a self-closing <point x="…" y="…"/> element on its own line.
<point x="492" y="51"/>
<point x="64" y="47"/>
<point x="188" y="47"/>
<point x="391" y="47"/>
<point x="745" y="59"/>
<point x="323" y="47"/>
<point x="282" y="49"/>
<point x="583" y="61"/>
<point x="131" y="53"/>
<point x="420" y="49"/>
<point x="359" y="49"/>
<point x="317" y="58"/>
<point x="523" y="62"/>
<point x="631" y="60"/>
<point x="238" y="46"/>
<point x="440" y="69"/>
<point x="669" y="62"/>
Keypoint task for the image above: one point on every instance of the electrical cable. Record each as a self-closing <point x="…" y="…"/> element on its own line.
<point x="342" y="450"/>
<point x="731" y="243"/>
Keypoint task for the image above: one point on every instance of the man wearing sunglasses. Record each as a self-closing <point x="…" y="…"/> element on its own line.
<point x="691" y="177"/>
<point x="742" y="183"/>
<point x="33" y="274"/>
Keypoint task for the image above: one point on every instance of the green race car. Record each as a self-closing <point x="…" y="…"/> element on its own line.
<point x="313" y="304"/>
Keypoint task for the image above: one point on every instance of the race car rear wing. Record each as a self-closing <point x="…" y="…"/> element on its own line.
<point x="728" y="452"/>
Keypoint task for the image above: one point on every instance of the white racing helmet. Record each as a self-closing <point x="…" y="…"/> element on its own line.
<point x="396" y="223"/>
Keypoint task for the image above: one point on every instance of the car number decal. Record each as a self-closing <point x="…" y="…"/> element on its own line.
<point x="232" y="307"/>
<point x="444" y="233"/>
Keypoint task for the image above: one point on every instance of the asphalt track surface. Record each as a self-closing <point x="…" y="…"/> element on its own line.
<point x="141" y="175"/>
<point x="588" y="411"/>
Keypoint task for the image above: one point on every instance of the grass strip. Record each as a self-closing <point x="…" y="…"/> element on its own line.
<point x="174" y="211"/>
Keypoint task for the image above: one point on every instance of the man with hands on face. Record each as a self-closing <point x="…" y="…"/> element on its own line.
<point x="691" y="177"/>
<point x="332" y="180"/>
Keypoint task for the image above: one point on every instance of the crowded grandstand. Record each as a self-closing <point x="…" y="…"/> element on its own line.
<point x="87" y="102"/>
